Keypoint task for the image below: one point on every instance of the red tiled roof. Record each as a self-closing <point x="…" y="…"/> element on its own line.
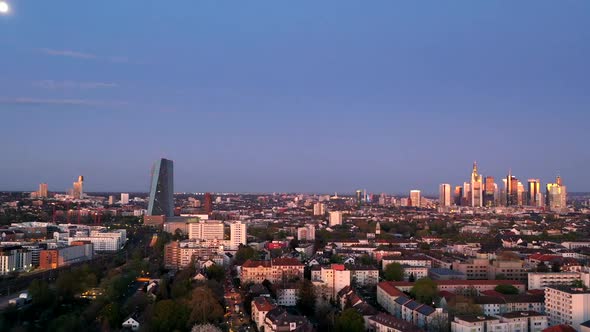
<point x="390" y="289"/>
<point x="560" y="328"/>
<point x="286" y="261"/>
<point x="462" y="282"/>
<point x="251" y="263"/>
<point x="263" y="304"/>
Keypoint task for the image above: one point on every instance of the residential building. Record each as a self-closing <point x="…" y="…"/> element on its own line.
<point x="319" y="209"/>
<point x="275" y="270"/>
<point x="567" y="305"/>
<point x="238" y="234"/>
<point x="541" y="280"/>
<point x="42" y="193"/>
<point x="335" y="218"/>
<point x="209" y="230"/>
<point x="334" y="278"/>
<point x="124" y="198"/>
<point x="260" y="307"/>
<point x="387" y="323"/>
<point x="306" y="233"/>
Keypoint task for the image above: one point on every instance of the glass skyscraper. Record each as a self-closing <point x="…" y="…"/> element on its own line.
<point x="161" y="201"/>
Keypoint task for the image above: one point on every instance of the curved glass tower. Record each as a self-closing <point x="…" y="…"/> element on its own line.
<point x="161" y="201"/>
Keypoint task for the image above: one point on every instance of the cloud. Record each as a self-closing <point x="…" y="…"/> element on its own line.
<point x="84" y="56"/>
<point x="65" y="102"/>
<point x="51" y="84"/>
<point x="68" y="53"/>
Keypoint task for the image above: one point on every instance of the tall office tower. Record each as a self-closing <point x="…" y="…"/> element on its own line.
<point x="534" y="187"/>
<point x="161" y="201"/>
<point x="124" y="198"/>
<point x="556" y="196"/>
<point x="78" y="191"/>
<point x="466" y="200"/>
<point x="511" y="190"/>
<point x="238" y="234"/>
<point x="111" y="200"/>
<point x="319" y="209"/>
<point x="415" y="198"/>
<point x="476" y="187"/>
<point x="359" y="198"/>
<point x="458" y="195"/>
<point x="42" y="193"/>
<point x="521" y="194"/>
<point x="208" y="203"/>
<point x="489" y="193"/>
<point x="444" y="193"/>
<point x="335" y="218"/>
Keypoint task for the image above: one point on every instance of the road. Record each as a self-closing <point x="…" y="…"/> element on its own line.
<point x="237" y="319"/>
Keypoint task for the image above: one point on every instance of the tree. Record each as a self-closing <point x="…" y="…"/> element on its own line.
<point x="506" y="289"/>
<point x="500" y="276"/>
<point x="412" y="277"/>
<point x="578" y="284"/>
<point x="394" y="272"/>
<point x="306" y="299"/>
<point x="216" y="273"/>
<point x="244" y="253"/>
<point x="462" y="305"/>
<point x="204" y="307"/>
<point x="336" y="259"/>
<point x="205" y="328"/>
<point x="424" y="291"/>
<point x="293" y="244"/>
<point x="42" y="296"/>
<point x="169" y="315"/>
<point x="349" y="320"/>
<point x="555" y="267"/>
<point x="541" y="267"/>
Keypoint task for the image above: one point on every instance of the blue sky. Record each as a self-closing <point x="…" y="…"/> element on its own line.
<point x="314" y="96"/>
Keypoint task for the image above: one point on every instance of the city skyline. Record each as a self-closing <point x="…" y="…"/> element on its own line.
<point x="475" y="176"/>
<point x="297" y="99"/>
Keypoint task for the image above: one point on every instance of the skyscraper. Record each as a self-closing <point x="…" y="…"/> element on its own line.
<point x="78" y="191"/>
<point x="444" y="195"/>
<point x="489" y="194"/>
<point x="415" y="198"/>
<point x="511" y="190"/>
<point x="359" y="198"/>
<point x="534" y="191"/>
<point x="208" y="204"/>
<point x="161" y="201"/>
<point x="556" y="196"/>
<point x="476" y="188"/>
<point x="42" y="190"/>
<point x="335" y="218"/>
<point x="458" y="195"/>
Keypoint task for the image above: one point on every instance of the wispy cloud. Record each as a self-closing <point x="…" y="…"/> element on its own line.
<point x="52" y="84"/>
<point x="68" y="53"/>
<point x="83" y="55"/>
<point x="65" y="102"/>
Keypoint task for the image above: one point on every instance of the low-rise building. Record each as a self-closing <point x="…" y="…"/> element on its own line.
<point x="275" y="270"/>
<point x="540" y="280"/>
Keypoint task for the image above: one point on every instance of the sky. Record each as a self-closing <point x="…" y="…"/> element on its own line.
<point x="293" y="96"/>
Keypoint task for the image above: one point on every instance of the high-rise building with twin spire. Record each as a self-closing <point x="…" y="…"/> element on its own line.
<point x="161" y="201"/>
<point x="534" y="192"/>
<point x="476" y="188"/>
